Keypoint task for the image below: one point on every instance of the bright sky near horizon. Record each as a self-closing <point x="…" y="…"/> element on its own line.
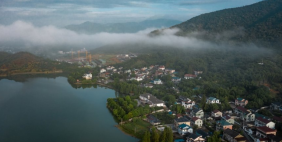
<point x="65" y="12"/>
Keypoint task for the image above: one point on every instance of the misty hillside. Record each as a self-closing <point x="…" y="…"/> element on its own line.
<point x="130" y="27"/>
<point x="259" y="21"/>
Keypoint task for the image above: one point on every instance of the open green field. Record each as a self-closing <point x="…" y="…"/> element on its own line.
<point x="135" y="128"/>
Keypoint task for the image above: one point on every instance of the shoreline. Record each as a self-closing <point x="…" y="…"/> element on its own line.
<point x="118" y="126"/>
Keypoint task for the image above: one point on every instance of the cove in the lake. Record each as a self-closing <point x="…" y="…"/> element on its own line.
<point x="51" y="110"/>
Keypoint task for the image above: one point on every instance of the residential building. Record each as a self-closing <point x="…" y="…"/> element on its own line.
<point x="260" y="121"/>
<point x="212" y="100"/>
<point x="228" y="119"/>
<point x="161" y="67"/>
<point x="169" y="71"/>
<point x="190" y="76"/>
<point x="241" y="102"/>
<point x="222" y="125"/>
<point x="198" y="72"/>
<point x="195" y="138"/>
<point x="181" y="120"/>
<point x="185" y="102"/>
<point x="157" y="81"/>
<point x="196" y="121"/>
<point x="176" y="79"/>
<point x="184" y="129"/>
<point x="153" y="120"/>
<point x="244" y="114"/>
<point x="262" y="132"/>
<point x="276" y="106"/>
<point x="202" y="133"/>
<point x="197" y="112"/>
<point x="151" y="100"/>
<point x="102" y="70"/>
<point x="87" y="76"/>
<point x="233" y="136"/>
<point x="216" y="113"/>
<point x="148" y="85"/>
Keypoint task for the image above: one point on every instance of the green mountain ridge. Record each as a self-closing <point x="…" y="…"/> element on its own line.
<point x="259" y="21"/>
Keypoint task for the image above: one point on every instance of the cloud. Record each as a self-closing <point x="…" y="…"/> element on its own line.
<point x="25" y="35"/>
<point x="28" y="35"/>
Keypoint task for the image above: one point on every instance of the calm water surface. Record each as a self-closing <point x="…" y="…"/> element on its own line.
<point x="50" y="110"/>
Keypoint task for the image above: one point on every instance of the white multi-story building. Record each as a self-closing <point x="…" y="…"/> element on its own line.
<point x="87" y="76"/>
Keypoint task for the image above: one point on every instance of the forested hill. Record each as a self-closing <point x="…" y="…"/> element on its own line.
<point x="23" y="62"/>
<point x="259" y="21"/>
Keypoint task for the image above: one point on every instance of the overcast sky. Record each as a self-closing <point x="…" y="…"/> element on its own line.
<point x="65" y="12"/>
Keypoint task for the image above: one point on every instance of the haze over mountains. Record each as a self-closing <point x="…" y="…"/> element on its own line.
<point x="260" y="22"/>
<point x="129" y="27"/>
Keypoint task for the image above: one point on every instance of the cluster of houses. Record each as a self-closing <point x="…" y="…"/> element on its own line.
<point x="150" y="73"/>
<point x="258" y="127"/>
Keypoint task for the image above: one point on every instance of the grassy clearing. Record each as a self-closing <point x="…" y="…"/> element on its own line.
<point x="138" y="124"/>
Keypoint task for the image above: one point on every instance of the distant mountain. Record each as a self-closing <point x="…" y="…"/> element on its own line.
<point x="259" y="21"/>
<point x="130" y="27"/>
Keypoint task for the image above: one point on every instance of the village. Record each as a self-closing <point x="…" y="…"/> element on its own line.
<point x="238" y="124"/>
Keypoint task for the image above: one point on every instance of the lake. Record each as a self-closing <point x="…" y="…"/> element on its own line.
<point x="50" y="110"/>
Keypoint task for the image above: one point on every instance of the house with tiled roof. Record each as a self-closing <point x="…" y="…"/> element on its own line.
<point x="212" y="100"/>
<point x="216" y="113"/>
<point x="153" y="120"/>
<point x="196" y="121"/>
<point x="198" y="72"/>
<point x="157" y="81"/>
<point x="222" y="125"/>
<point x="161" y="67"/>
<point x="260" y="121"/>
<point x="241" y="102"/>
<point x="233" y="136"/>
<point x="276" y="106"/>
<point x="197" y="112"/>
<point x="244" y="114"/>
<point x="184" y="129"/>
<point x="151" y="100"/>
<point x="228" y="119"/>
<point x="202" y="133"/>
<point x="190" y="76"/>
<point x="195" y="138"/>
<point x="181" y="120"/>
<point x="263" y="132"/>
<point x="175" y="79"/>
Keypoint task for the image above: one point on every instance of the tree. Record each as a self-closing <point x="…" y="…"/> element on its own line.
<point x="155" y="135"/>
<point x="145" y="137"/>
<point x="169" y="135"/>
<point x="163" y="136"/>
<point x="215" y="137"/>
<point x="203" y="102"/>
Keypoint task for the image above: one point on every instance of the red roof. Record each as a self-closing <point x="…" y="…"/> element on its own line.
<point x="266" y="129"/>
<point x="263" y="120"/>
<point x="161" y="67"/>
<point x="195" y="118"/>
<point x="215" y="111"/>
<point x="226" y="117"/>
<point x="241" y="109"/>
<point x="178" y="115"/>
<point x="277" y="118"/>
<point x="190" y="75"/>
